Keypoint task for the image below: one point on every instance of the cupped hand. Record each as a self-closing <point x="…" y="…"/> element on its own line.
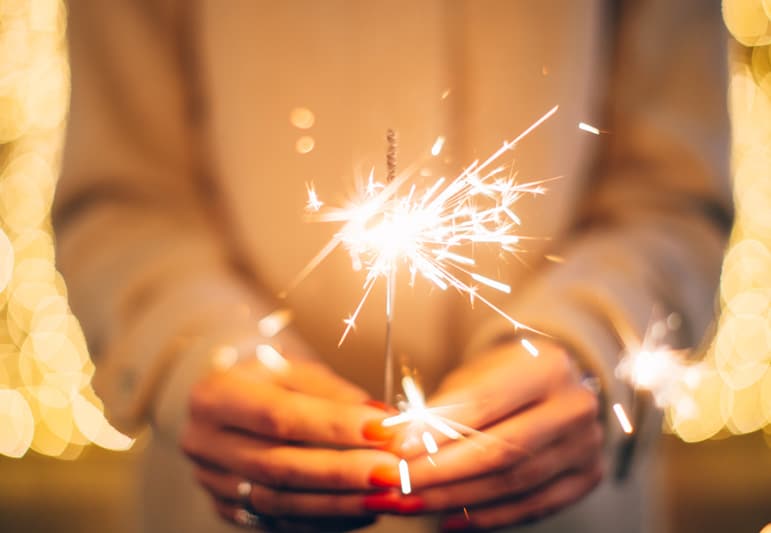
<point x="538" y="447"/>
<point x="292" y="438"/>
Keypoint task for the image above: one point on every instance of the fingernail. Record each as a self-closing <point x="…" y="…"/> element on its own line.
<point x="411" y="504"/>
<point x="456" y="523"/>
<point x="381" y="502"/>
<point x="385" y="476"/>
<point x="374" y="430"/>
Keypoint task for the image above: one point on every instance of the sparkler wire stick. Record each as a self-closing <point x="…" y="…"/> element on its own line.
<point x="388" y="387"/>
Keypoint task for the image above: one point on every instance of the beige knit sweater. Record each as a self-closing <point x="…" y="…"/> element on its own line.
<point x="179" y="210"/>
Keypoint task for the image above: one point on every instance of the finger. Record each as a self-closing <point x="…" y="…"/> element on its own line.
<point x="284" y="466"/>
<point x="268" y="501"/>
<point x="546" y="501"/>
<point x="233" y="512"/>
<point x="568" y="455"/>
<point x="266" y="409"/>
<point x="475" y="396"/>
<point x="316" y="379"/>
<point x="509" y="442"/>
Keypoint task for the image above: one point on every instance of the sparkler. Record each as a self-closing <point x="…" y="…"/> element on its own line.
<point x="427" y="230"/>
<point x="652" y="365"/>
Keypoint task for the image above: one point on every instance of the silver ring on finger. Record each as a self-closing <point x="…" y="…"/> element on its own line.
<point x="246" y="518"/>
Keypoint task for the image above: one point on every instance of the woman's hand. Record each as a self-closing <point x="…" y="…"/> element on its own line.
<point x="538" y="451"/>
<point x="286" y="446"/>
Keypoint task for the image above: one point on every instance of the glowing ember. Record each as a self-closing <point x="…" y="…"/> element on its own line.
<point x="589" y="128"/>
<point x="626" y="425"/>
<point x="436" y="149"/>
<point x="530" y="347"/>
<point x="270" y="357"/>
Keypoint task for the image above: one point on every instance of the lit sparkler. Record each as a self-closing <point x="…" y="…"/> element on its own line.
<point x="427" y="230"/>
<point x="652" y="365"/>
<point x="418" y="423"/>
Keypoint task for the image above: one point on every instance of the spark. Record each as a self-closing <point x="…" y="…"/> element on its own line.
<point x="271" y="325"/>
<point x="420" y="419"/>
<point x="555" y="258"/>
<point x="626" y="425"/>
<point x="427" y="230"/>
<point x="530" y="347"/>
<point x="654" y="366"/>
<point x="588" y="128"/>
<point x="271" y="358"/>
<point x="404" y="476"/>
<point x="314" y="204"/>
<point x="430" y="442"/>
<point x="436" y="149"/>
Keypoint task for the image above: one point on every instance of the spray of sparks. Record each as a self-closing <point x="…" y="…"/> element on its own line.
<point x="652" y="365"/>
<point x="419" y="423"/>
<point x="428" y="230"/>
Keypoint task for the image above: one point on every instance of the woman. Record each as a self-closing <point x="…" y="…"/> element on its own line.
<point x="179" y="216"/>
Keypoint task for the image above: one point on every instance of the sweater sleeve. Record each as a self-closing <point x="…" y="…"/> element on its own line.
<point x="150" y="273"/>
<point x="654" y="221"/>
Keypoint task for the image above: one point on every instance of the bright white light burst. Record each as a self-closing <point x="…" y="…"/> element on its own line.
<point x="429" y="230"/>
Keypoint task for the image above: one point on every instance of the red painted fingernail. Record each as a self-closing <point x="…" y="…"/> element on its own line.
<point x="411" y="504"/>
<point x="385" y="476"/>
<point x="381" y="502"/>
<point x="374" y="430"/>
<point x="456" y="523"/>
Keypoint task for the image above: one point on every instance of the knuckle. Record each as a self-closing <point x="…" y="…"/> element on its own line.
<point x="268" y="474"/>
<point x="338" y="478"/>
<point x="201" y="401"/>
<point x="531" y="474"/>
<point x="509" y="479"/>
<point x="186" y="440"/>
<point x="597" y="437"/>
<point x="590" y="403"/>
<point x="272" y="423"/>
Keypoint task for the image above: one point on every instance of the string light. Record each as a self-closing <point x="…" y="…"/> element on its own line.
<point x="46" y="400"/>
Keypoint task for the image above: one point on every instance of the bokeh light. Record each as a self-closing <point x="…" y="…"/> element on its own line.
<point x="46" y="400"/>
<point x="734" y="393"/>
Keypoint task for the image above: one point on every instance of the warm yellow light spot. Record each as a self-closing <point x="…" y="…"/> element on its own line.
<point x="91" y="422"/>
<point x="45" y="370"/>
<point x="6" y="260"/>
<point x="224" y="357"/>
<point x="302" y="118"/>
<point x="16" y="424"/>
<point x="747" y="21"/>
<point x="304" y="144"/>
